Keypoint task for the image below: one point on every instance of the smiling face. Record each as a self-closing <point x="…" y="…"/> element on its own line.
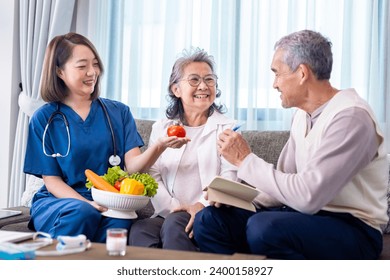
<point x="287" y="82"/>
<point x="80" y="72"/>
<point x="195" y="99"/>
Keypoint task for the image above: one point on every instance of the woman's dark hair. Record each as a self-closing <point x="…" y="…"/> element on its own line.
<point x="58" y="52"/>
<point x="175" y="107"/>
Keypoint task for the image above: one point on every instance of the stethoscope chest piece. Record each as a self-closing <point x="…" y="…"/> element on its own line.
<point x="114" y="160"/>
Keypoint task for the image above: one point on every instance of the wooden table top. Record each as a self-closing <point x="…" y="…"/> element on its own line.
<point x="98" y="252"/>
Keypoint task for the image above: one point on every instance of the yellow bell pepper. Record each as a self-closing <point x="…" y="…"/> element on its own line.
<point x="131" y="186"/>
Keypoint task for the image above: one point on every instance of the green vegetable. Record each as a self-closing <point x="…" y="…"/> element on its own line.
<point x="150" y="184"/>
<point x="115" y="173"/>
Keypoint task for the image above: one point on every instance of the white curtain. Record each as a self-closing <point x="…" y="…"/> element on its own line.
<point x="40" y="21"/>
<point x="384" y="71"/>
<point x="149" y="34"/>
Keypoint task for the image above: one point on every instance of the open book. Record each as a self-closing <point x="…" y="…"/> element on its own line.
<point x="232" y="193"/>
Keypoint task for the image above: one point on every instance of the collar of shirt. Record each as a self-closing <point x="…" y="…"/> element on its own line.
<point x="313" y="117"/>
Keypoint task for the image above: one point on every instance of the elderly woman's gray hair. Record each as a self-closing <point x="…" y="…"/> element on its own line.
<point x="175" y="107"/>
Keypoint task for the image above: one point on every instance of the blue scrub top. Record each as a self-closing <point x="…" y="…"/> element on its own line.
<point x="90" y="142"/>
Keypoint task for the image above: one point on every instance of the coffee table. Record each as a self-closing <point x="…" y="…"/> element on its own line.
<point x="98" y="252"/>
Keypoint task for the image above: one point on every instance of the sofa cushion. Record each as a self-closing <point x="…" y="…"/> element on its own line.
<point x="266" y="144"/>
<point x="144" y="128"/>
<point x="33" y="184"/>
<point x="22" y="218"/>
<point x="22" y="226"/>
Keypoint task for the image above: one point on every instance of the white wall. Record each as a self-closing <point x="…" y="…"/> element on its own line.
<point x="9" y="81"/>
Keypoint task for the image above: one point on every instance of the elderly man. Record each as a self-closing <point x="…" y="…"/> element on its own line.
<point x="327" y="197"/>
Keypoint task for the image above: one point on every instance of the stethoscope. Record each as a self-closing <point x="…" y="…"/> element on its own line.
<point x="113" y="159"/>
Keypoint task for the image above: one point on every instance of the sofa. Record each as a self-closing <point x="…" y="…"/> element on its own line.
<point x="265" y="144"/>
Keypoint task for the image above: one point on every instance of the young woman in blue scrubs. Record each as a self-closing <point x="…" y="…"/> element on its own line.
<point x="70" y="86"/>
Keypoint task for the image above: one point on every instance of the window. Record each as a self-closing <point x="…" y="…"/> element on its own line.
<point x="139" y="41"/>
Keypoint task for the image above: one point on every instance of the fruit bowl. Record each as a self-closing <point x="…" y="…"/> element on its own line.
<point x="122" y="206"/>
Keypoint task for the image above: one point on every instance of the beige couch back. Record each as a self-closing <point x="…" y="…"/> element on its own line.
<point x="265" y="144"/>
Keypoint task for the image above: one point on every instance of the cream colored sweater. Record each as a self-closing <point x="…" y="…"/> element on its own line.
<point x="365" y="194"/>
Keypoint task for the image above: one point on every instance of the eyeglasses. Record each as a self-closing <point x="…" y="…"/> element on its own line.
<point x="195" y="80"/>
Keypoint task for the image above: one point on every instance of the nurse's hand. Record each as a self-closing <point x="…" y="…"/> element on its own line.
<point x="173" y="141"/>
<point x="98" y="207"/>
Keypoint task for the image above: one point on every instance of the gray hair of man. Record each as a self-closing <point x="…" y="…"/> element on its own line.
<point x="310" y="48"/>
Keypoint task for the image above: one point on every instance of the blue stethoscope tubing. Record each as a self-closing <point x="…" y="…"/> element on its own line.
<point x="113" y="159"/>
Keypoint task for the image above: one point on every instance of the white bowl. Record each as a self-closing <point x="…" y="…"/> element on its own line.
<point x="122" y="206"/>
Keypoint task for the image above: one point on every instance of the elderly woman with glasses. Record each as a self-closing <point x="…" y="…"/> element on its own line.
<point x="183" y="174"/>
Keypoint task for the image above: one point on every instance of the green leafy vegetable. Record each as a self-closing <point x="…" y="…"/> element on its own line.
<point x="150" y="184"/>
<point x="115" y="173"/>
